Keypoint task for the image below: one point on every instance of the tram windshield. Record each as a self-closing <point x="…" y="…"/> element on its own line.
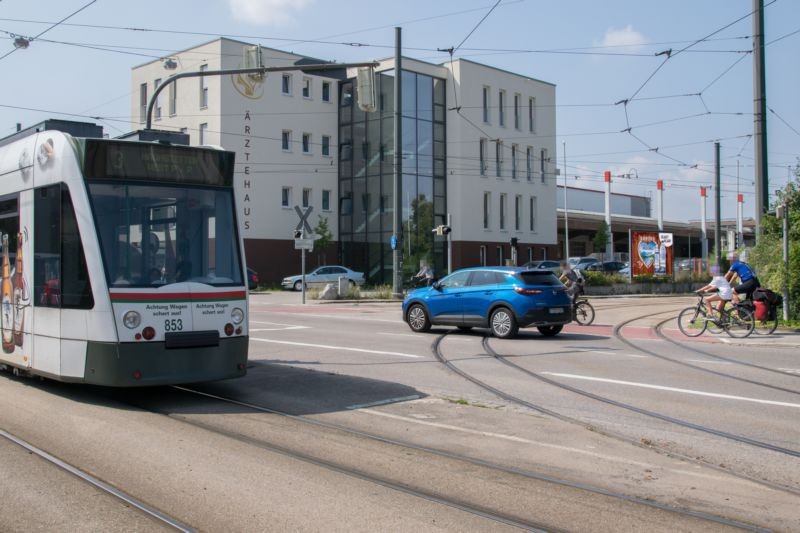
<point x="153" y="235"/>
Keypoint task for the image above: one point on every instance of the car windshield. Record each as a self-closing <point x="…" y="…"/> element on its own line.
<point x="538" y="277"/>
<point x="154" y="235"/>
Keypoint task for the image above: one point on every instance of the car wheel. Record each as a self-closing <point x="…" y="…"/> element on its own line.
<point x="550" y="331"/>
<point x="503" y="323"/>
<point x="298" y="286"/>
<point x="417" y="318"/>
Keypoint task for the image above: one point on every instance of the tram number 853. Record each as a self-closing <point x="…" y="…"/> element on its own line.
<point x="173" y="325"/>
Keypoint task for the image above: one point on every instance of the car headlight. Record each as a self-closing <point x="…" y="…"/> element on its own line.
<point x="237" y="315"/>
<point x="131" y="319"/>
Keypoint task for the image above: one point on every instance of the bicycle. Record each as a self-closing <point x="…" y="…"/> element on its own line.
<point x="582" y="312"/>
<point x="737" y="321"/>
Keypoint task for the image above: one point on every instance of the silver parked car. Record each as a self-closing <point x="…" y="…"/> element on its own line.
<point x="321" y="275"/>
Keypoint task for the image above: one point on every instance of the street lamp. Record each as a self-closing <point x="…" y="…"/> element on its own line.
<point x="21" y="42"/>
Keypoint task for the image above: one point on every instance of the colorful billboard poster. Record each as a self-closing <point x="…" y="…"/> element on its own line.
<point x="651" y="253"/>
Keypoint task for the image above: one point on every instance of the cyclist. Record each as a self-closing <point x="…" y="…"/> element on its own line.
<point x="573" y="279"/>
<point x="720" y="286"/>
<point x="423" y="278"/>
<point x="748" y="282"/>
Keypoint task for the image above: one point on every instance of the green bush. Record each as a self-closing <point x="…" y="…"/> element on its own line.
<point x="651" y="278"/>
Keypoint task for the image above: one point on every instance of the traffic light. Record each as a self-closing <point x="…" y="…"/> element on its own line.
<point x="442" y="230"/>
<point x="514" y="241"/>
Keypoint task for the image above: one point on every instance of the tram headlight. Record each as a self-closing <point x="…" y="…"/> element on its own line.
<point x="131" y="319"/>
<point x="237" y="315"/>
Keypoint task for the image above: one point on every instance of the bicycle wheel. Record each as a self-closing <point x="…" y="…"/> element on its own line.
<point x="766" y="326"/>
<point x="740" y="322"/>
<point x="584" y="313"/>
<point x="692" y="322"/>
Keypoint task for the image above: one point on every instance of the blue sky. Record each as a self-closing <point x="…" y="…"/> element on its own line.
<point x="95" y="81"/>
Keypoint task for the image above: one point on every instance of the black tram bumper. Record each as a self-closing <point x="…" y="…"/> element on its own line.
<point x="144" y="364"/>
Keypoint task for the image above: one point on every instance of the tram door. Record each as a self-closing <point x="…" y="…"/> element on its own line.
<point x="61" y="290"/>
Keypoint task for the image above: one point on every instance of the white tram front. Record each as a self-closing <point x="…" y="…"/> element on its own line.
<point x="122" y="262"/>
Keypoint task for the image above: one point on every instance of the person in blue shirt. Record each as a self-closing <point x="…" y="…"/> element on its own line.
<point x="748" y="282"/>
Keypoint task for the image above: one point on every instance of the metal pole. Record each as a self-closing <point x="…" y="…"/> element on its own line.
<point x="254" y="70"/>
<point x="610" y="244"/>
<point x="786" y="258"/>
<point x="760" y="116"/>
<point x="566" y="206"/>
<point x="660" y="187"/>
<point x="703" y="229"/>
<point x="303" y="270"/>
<point x="717" y="214"/>
<point x="397" y="216"/>
<point x="450" y="244"/>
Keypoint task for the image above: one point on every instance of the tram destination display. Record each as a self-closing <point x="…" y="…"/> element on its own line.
<point x="122" y="160"/>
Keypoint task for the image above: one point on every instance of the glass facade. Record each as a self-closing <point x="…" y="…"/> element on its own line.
<point x="366" y="166"/>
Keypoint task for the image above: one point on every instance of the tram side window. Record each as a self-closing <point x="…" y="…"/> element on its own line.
<point x="9" y="225"/>
<point x="61" y="278"/>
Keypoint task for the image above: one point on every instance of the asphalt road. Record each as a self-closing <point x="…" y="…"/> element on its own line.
<point x="647" y="428"/>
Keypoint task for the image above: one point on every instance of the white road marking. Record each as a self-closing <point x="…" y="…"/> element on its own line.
<point x="286" y="328"/>
<point x="415" y="335"/>
<point x="790" y="370"/>
<point x="512" y="438"/>
<point x="674" y="389"/>
<point x="383" y="402"/>
<point x="708" y="362"/>
<point x="342" y="348"/>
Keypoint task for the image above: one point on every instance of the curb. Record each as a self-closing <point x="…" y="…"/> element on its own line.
<point x="364" y="301"/>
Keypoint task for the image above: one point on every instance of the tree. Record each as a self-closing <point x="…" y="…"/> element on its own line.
<point x="600" y="240"/>
<point x="767" y="256"/>
<point x="325" y="238"/>
<point x="420" y="235"/>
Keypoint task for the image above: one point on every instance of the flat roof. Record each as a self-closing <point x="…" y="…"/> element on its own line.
<point x="445" y="63"/>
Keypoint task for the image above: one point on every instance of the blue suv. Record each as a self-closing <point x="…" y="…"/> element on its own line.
<point x="501" y="298"/>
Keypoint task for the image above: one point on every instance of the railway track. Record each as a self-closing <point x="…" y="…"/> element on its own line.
<point x="528" y="474"/>
<point x="145" y="508"/>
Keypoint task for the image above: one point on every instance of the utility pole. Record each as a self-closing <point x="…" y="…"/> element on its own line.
<point x="717" y="214"/>
<point x="397" y="215"/>
<point x="703" y="231"/>
<point x="660" y="189"/>
<point x="566" y="206"/>
<point x="450" y="244"/>
<point x="760" y="116"/>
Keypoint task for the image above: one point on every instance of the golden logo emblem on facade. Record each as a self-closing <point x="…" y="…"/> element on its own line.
<point x="249" y="85"/>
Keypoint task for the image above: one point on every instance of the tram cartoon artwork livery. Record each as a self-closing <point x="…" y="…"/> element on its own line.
<point x="122" y="262"/>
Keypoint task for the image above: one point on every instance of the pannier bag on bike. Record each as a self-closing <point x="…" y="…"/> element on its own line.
<point x="765" y="295"/>
<point x="762" y="310"/>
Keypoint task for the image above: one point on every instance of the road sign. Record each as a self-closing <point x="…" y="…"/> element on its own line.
<point x="304" y="244"/>
<point x="393" y="242"/>
<point x="303" y="224"/>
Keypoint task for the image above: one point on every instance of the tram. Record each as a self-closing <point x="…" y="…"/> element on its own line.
<point x="122" y="262"/>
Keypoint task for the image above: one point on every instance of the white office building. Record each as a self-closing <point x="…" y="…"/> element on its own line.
<point x="477" y="144"/>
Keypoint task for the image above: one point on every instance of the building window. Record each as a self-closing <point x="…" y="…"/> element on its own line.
<point x="487" y="208"/>
<point x="326" y="145"/>
<point x="517" y="99"/>
<point x="326" y="200"/>
<point x="286" y="196"/>
<point x="529" y="163"/>
<point x="173" y="100"/>
<point x="503" y="198"/>
<point x="500" y="259"/>
<point x="532" y="213"/>
<point x="203" y="88"/>
<point x="543" y="164"/>
<point x="501" y="106"/>
<point x="518" y="212"/>
<point x="142" y="102"/>
<point x="498" y="157"/>
<point x="482" y="257"/>
<point x="158" y="99"/>
<point x="306" y="87"/>
<point x="326" y="91"/>
<point x="514" y="150"/>
<point x="486" y="105"/>
<point x="482" y="148"/>
<point x="203" y="133"/>
<point x="532" y="115"/>
<point x="306" y="143"/>
<point x="306" y="197"/>
<point x="286" y="84"/>
<point x="286" y="140"/>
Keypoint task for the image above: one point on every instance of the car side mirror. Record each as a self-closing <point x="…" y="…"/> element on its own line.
<point x="436" y="285"/>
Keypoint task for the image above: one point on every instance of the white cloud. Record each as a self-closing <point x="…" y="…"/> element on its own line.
<point x="625" y="37"/>
<point x="266" y="12"/>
